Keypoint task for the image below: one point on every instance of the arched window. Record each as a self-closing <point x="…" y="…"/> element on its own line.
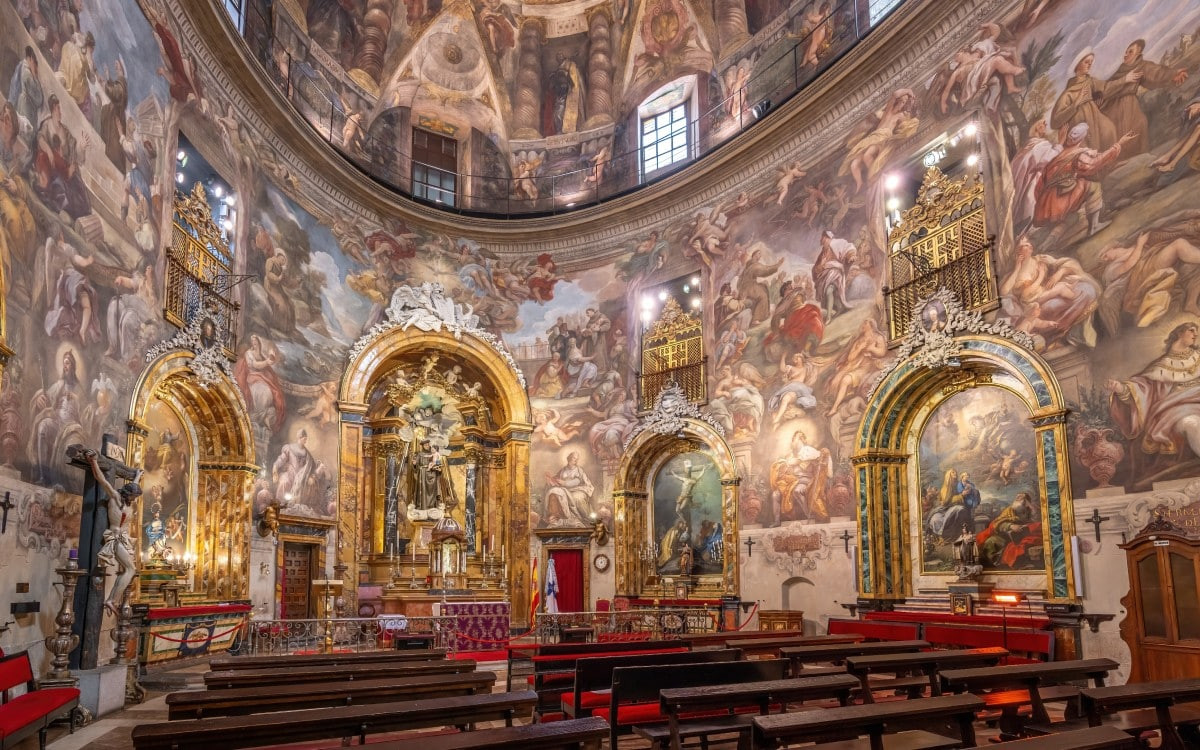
<point x="667" y="134"/>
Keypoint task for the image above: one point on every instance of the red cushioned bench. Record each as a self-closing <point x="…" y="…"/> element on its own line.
<point x="1024" y="645"/>
<point x="593" y="675"/>
<point x="876" y="631"/>
<point x="35" y="709"/>
<point x="1015" y="620"/>
<point x="555" y="672"/>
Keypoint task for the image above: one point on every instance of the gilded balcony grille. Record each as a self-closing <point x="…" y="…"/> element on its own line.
<point x="941" y="241"/>
<point x="673" y="352"/>
<point x="197" y="260"/>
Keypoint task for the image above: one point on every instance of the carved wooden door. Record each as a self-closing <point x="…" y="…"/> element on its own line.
<point x="1162" y="626"/>
<point x="297" y="580"/>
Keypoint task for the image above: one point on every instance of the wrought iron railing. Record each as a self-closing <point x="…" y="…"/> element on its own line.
<point x="968" y="276"/>
<point x="378" y="156"/>
<point x="662" y="622"/>
<point x="188" y="295"/>
<point x="690" y="378"/>
<point x="263" y="637"/>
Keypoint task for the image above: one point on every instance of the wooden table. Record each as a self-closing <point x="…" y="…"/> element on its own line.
<point x="926" y="662"/>
<point x="1031" y="677"/>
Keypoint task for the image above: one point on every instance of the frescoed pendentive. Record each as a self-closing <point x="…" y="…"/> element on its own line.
<point x="978" y="478"/>
<point x="688" y="532"/>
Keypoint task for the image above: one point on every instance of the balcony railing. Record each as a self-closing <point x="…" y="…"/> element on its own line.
<point x="502" y="196"/>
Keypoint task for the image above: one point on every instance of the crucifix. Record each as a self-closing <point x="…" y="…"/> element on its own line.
<point x="1096" y="520"/>
<point x="8" y="505"/>
<point x="846" y="537"/>
<point x="750" y="546"/>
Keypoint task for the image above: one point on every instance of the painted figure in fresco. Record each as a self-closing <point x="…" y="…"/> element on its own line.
<point x="731" y="309"/>
<point x="56" y="420"/>
<point x="595" y="337"/>
<point x="1071" y="181"/>
<point x="283" y="310"/>
<point x="817" y="27"/>
<point x="1160" y="406"/>
<point x="830" y="272"/>
<point x="155" y="533"/>
<point x="751" y="288"/>
<point x="984" y="70"/>
<point x="673" y="542"/>
<point x="864" y="358"/>
<point x="1027" y="167"/>
<point x="796" y="323"/>
<point x="26" y="95"/>
<point x="562" y="111"/>
<point x="1121" y="103"/>
<point x="300" y="479"/>
<point x="1140" y="279"/>
<point x="731" y="345"/>
<point x="547" y="428"/>
<point x="11" y="421"/>
<point x="117" y="548"/>
<point x="76" y="70"/>
<point x="255" y="375"/>
<point x="57" y="179"/>
<point x="795" y="390"/>
<point x="607" y="437"/>
<point x="951" y="513"/>
<point x="550" y="378"/>
<point x="1188" y="145"/>
<point x="334" y="25"/>
<point x="798" y="481"/>
<point x="132" y="315"/>
<point x="687" y="559"/>
<point x="18" y="233"/>
<point x="791" y="173"/>
<point x="737" y="401"/>
<point x="1049" y="296"/>
<point x="498" y="24"/>
<point x="581" y="370"/>
<point x="1010" y="537"/>
<point x="114" y="114"/>
<point x="688" y="480"/>
<point x="569" y="497"/>
<point x="868" y="152"/>
<point x="1079" y="104"/>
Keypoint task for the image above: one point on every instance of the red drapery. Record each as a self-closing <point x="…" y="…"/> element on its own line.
<point x="568" y="564"/>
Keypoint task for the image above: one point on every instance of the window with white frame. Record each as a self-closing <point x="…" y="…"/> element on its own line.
<point x="665" y="139"/>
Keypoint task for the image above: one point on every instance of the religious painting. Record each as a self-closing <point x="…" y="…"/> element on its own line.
<point x="688" y="533"/>
<point x="166" y="486"/>
<point x="979" y="477"/>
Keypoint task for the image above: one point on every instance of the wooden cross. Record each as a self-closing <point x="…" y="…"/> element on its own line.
<point x="749" y="546"/>
<point x="8" y="505"/>
<point x="1096" y="520"/>
<point x="846" y="537"/>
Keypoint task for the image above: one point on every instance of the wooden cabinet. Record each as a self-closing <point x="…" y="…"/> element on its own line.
<point x="780" y="619"/>
<point x="1162" y="621"/>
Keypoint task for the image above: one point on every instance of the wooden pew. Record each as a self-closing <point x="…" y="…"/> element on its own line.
<point x="232" y="678"/>
<point x="678" y="703"/>
<point x="1013" y="686"/>
<point x="718" y="639"/>
<point x="837" y="652"/>
<point x="554" y="672"/>
<point x="573" y="734"/>
<point x="849" y="722"/>
<point x="769" y="647"/>
<point x="231" y="732"/>
<point x="1032" y="645"/>
<point x="1094" y="738"/>
<point x="198" y="704"/>
<point x="1134" y="705"/>
<point x="928" y="663"/>
<point x="527" y="651"/>
<point x="635" y="699"/>
<point x="876" y="631"/>
<point x="593" y="675"/>
<point x="292" y="661"/>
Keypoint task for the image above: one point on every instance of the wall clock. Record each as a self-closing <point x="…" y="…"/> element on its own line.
<point x="601" y="562"/>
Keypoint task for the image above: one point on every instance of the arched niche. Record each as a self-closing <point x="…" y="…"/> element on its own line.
<point x="886" y="455"/>
<point x="497" y="447"/>
<point x="220" y="442"/>
<point x="646" y="456"/>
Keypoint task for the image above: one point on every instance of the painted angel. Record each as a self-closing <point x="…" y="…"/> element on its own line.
<point x="525" y="167"/>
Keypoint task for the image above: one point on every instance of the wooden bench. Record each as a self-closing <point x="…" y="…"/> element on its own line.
<point x="1011" y="687"/>
<point x="798" y="656"/>
<point x="553" y="673"/>
<point x="229" y="732"/>
<point x="876" y="631"/>
<point x="573" y="734"/>
<point x="1130" y="707"/>
<point x="635" y="701"/>
<point x="718" y="639"/>
<point x="292" y="661"/>
<point x="769" y="647"/>
<point x="680" y="703"/>
<point x="1094" y="738"/>
<point x="1024" y="645"/>
<point x="928" y="663"/>
<point x="1016" y="619"/>
<point x="840" y="728"/>
<point x="230" y="678"/>
<point x="527" y="651"/>
<point x="23" y="715"/>
<point x="198" y="704"/>
<point x="593" y="675"/>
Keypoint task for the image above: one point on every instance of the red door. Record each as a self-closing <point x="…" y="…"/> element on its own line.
<point x="568" y="565"/>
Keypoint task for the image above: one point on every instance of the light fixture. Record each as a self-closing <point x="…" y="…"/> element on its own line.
<point x="230" y="199"/>
<point x="647" y="302"/>
<point x="181" y="155"/>
<point x="228" y="225"/>
<point x="972" y="160"/>
<point x="696" y="281"/>
<point x="686" y="288"/>
<point x="218" y="191"/>
<point x="970" y="130"/>
<point x="662" y="296"/>
<point x="893" y="204"/>
<point x="696" y="302"/>
<point x="1007" y="598"/>
<point x="179" y="177"/>
<point x="760" y="110"/>
<point x="571" y="204"/>
<point x="892" y="181"/>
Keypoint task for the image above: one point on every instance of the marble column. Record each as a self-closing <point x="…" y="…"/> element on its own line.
<point x="733" y="29"/>
<point x="527" y="107"/>
<point x="376" y="24"/>
<point x="599" y="71"/>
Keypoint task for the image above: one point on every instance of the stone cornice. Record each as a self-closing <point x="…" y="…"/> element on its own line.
<point x="917" y="37"/>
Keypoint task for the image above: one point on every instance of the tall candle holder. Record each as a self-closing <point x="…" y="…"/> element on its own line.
<point x="63" y="642"/>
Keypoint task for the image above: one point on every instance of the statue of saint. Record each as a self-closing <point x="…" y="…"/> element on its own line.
<point x="428" y="481"/>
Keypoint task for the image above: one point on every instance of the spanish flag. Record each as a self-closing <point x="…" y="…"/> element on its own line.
<point x="536" y="597"/>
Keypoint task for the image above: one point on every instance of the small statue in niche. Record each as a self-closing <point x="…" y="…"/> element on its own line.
<point x="966" y="555"/>
<point x="686" y="561"/>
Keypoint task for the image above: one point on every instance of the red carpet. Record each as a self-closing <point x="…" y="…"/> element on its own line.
<point x="497" y="655"/>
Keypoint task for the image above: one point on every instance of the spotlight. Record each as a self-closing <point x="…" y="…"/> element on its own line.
<point x="892" y="181"/>
<point x="179" y="177"/>
<point x="647" y="302"/>
<point x="230" y="199"/>
<point x="228" y="225"/>
<point x="662" y="296"/>
<point x="972" y="160"/>
<point x="181" y="155"/>
<point x="218" y="191"/>
<point x="696" y="302"/>
<point x="686" y="288"/>
<point x="970" y="130"/>
<point x="761" y="109"/>
<point x="696" y="281"/>
<point x="893" y="204"/>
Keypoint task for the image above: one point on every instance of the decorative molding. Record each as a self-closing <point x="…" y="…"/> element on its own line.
<point x="208" y="361"/>
<point x="669" y="415"/>
<point x="427" y="308"/>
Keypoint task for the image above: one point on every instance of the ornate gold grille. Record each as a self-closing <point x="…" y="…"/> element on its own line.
<point x="940" y="242"/>
<point x="673" y="352"/>
<point x="198" y="260"/>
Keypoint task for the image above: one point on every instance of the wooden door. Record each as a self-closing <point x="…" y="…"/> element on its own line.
<point x="298" y="560"/>
<point x="1162" y="626"/>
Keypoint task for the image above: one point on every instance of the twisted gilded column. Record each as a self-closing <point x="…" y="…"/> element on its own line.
<point x="377" y="23"/>
<point x="733" y="29"/>
<point x="599" y="70"/>
<point x="527" y="107"/>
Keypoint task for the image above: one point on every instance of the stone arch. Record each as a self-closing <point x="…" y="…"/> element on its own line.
<point x="645" y="453"/>
<point x="788" y="586"/>
<point x="223" y="452"/>
<point x="512" y="418"/>
<point x="885" y="457"/>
